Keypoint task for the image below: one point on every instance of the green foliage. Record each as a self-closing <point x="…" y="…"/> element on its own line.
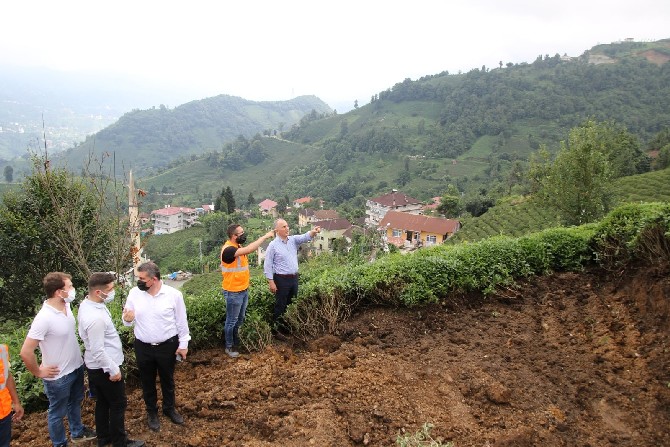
<point x="634" y="232"/>
<point x="192" y="128"/>
<point x="578" y="182"/>
<point x="55" y="223"/>
<point x="172" y="252"/>
<point x="206" y="313"/>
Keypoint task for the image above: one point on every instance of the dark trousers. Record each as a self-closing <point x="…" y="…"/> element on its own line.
<point x="110" y="407"/>
<point x="6" y="430"/>
<point x="287" y="288"/>
<point x="159" y="359"/>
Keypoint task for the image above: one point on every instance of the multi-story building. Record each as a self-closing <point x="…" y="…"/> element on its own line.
<point x="377" y="207"/>
<point x="172" y="218"/>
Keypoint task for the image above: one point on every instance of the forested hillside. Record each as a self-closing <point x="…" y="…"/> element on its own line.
<point x="474" y="130"/>
<point x="148" y="140"/>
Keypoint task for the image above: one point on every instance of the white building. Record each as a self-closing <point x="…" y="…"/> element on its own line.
<point x="377" y="207"/>
<point x="172" y="218"/>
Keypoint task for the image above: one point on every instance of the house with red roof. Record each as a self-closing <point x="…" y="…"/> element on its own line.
<point x="405" y="230"/>
<point x="268" y="207"/>
<point x="330" y="230"/>
<point x="299" y="203"/>
<point x="308" y="216"/>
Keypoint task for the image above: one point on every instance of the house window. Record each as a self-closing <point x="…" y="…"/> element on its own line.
<point x="431" y="239"/>
<point x="397" y="233"/>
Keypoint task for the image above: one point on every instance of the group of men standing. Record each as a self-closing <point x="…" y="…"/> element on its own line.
<point x="158" y="314"/>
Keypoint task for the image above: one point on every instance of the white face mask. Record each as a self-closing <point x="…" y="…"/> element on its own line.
<point x="70" y="295"/>
<point x="109" y="297"/>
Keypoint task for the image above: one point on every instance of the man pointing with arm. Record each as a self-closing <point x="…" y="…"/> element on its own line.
<point x="281" y="268"/>
<point x="235" y="283"/>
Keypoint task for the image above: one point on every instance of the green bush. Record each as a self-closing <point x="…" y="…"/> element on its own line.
<point x="634" y="232"/>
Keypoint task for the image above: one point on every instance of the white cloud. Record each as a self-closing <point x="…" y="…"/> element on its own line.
<point x="339" y="51"/>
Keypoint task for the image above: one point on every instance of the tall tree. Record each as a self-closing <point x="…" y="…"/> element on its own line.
<point x="230" y="200"/>
<point x="579" y="180"/>
<point x="9" y="174"/>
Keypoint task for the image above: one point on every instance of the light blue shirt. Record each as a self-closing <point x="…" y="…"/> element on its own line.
<point x="101" y="340"/>
<point x="282" y="256"/>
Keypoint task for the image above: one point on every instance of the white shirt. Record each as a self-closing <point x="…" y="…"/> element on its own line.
<point x="55" y="331"/>
<point x="102" y="343"/>
<point x="160" y="317"/>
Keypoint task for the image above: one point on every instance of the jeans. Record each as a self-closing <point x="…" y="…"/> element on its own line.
<point x="157" y="359"/>
<point x="110" y="408"/>
<point x="6" y="430"/>
<point x="236" y="309"/>
<point x="65" y="396"/>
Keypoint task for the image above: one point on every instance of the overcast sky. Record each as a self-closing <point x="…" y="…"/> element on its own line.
<point x="337" y="50"/>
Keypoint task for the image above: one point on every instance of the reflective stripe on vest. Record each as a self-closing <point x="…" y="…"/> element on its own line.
<point x="4" y="366"/>
<point x="5" y="397"/>
<point x="236" y="274"/>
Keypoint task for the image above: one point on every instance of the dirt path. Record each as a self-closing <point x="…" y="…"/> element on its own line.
<point x="567" y="360"/>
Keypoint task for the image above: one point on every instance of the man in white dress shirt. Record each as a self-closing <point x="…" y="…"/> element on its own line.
<point x="103" y="357"/>
<point x="161" y="337"/>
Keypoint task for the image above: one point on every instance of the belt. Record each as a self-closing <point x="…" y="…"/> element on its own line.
<point x="281" y="275"/>
<point x="171" y="339"/>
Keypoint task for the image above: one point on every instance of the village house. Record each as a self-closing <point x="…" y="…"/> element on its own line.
<point x="299" y="203"/>
<point x="377" y="207"/>
<point x="330" y="230"/>
<point x="406" y="230"/>
<point x="307" y="216"/>
<point x="268" y="208"/>
<point x="172" y="218"/>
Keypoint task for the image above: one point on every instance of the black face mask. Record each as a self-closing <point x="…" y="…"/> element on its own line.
<point x="242" y="238"/>
<point x="142" y="285"/>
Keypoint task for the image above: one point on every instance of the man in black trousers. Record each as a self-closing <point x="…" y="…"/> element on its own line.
<point x="161" y="337"/>
<point x="103" y="357"/>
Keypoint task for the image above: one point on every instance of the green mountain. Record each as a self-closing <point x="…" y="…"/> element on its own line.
<point x="148" y="140"/>
<point x="475" y="130"/>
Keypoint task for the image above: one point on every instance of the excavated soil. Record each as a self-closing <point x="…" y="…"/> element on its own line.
<point x="565" y="360"/>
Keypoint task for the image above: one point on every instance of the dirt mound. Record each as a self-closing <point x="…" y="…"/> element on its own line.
<point x="565" y="360"/>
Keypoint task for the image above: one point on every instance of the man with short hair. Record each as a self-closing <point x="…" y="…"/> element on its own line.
<point x="281" y="269"/>
<point x="62" y="368"/>
<point x="161" y="336"/>
<point x="235" y="282"/>
<point x="103" y="357"/>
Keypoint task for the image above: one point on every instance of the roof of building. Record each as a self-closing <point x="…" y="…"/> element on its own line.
<point x="333" y="224"/>
<point x="303" y="200"/>
<point x="267" y="204"/>
<point x="326" y="214"/>
<point x="395" y="199"/>
<point x="172" y="210"/>
<point x="417" y="222"/>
